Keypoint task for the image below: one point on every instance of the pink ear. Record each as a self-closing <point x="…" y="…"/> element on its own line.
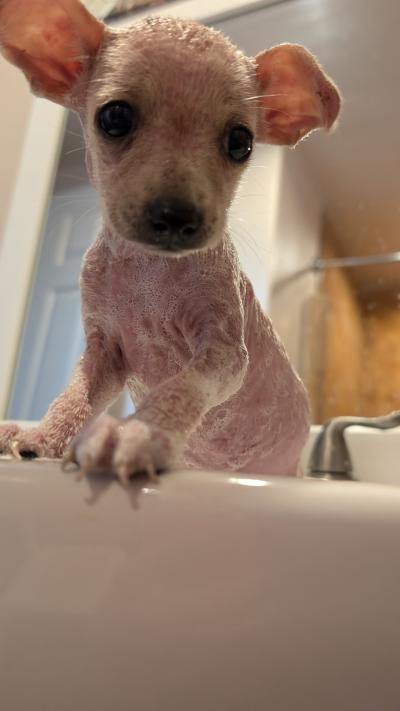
<point x="297" y="97"/>
<point x="50" y="40"/>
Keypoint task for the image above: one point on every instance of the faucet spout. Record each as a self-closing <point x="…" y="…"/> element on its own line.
<point x="330" y="456"/>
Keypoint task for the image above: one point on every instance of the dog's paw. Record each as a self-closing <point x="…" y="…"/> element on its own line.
<point x="8" y="432"/>
<point x="34" y="443"/>
<point x="141" y="448"/>
<point x="122" y="447"/>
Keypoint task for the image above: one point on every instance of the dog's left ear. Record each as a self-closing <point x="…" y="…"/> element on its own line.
<point x="296" y="95"/>
<point x="52" y="41"/>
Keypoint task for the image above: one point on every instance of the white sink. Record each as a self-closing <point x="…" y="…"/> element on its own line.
<point x="209" y="592"/>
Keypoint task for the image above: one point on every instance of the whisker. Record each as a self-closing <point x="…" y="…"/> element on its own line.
<point x="248" y="238"/>
<point x="257" y="167"/>
<point x="59" y="206"/>
<point x="245" y="241"/>
<point x="72" y="133"/>
<point x="87" y="212"/>
<point x="74" y="197"/>
<point x="290" y="114"/>
<point x="237" y="237"/>
<point x="74" y="150"/>
<point x="243" y="196"/>
<point x="262" y="96"/>
<point x="74" y="177"/>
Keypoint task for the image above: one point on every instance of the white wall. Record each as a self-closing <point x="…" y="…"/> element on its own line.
<point x="14" y="118"/>
<point x="297" y="243"/>
<point x="254" y="216"/>
<point x="275" y="223"/>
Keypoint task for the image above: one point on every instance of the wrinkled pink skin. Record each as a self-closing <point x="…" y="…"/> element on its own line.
<point x="212" y="384"/>
<point x="211" y="355"/>
<point x="208" y="370"/>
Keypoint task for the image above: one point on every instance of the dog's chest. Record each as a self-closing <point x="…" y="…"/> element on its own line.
<point x="151" y="342"/>
<point x="136" y="303"/>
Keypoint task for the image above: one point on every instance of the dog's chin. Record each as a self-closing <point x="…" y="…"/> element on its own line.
<point x="142" y="244"/>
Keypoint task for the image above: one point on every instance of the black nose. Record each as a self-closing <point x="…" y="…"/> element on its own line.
<point x="173" y="224"/>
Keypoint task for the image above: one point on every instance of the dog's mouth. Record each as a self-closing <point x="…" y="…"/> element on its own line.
<point x="169" y="228"/>
<point x="172" y="228"/>
<point x="172" y="245"/>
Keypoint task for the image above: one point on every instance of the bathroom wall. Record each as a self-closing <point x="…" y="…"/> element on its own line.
<point x="354" y="341"/>
<point x="341" y="331"/>
<point x="296" y="243"/>
<point x="275" y="223"/>
<point x="380" y="364"/>
<point x="14" y="118"/>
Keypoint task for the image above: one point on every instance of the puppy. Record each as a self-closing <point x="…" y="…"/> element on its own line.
<point x="170" y="112"/>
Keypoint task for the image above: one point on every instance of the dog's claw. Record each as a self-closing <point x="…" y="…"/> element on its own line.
<point x="151" y="471"/>
<point x="68" y="459"/>
<point x="81" y="473"/>
<point x="14" y="449"/>
<point x="87" y="464"/>
<point x="123" y="474"/>
<point x="122" y="448"/>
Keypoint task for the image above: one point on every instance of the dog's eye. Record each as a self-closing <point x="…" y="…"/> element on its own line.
<point x="116" y="119"/>
<point x="238" y="143"/>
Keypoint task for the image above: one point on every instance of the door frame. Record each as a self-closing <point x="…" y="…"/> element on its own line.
<point x="36" y="173"/>
<point x="23" y="230"/>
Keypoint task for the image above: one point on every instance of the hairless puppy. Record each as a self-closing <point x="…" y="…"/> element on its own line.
<point x="170" y="110"/>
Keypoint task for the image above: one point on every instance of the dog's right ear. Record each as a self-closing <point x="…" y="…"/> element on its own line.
<point x="52" y="41"/>
<point x="296" y="95"/>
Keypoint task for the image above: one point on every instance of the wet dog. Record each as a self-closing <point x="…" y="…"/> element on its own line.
<point x="170" y="112"/>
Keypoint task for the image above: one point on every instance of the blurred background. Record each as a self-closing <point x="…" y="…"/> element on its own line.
<point x="299" y="213"/>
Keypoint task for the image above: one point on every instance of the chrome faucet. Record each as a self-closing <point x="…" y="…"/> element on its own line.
<point x="330" y="456"/>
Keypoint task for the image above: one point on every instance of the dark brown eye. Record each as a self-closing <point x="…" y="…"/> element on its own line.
<point x="117" y="119"/>
<point x="238" y="143"/>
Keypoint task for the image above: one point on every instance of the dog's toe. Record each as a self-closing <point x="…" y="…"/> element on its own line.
<point x="92" y="450"/>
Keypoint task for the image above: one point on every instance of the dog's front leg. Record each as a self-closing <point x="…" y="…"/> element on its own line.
<point x="98" y="378"/>
<point x="178" y="404"/>
<point x="154" y="438"/>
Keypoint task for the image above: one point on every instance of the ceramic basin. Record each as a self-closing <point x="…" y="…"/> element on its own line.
<point x="207" y="592"/>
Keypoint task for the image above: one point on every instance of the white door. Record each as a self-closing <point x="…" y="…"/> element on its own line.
<point x="53" y="338"/>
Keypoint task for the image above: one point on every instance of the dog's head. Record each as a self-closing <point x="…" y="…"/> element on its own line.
<point x="170" y="111"/>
